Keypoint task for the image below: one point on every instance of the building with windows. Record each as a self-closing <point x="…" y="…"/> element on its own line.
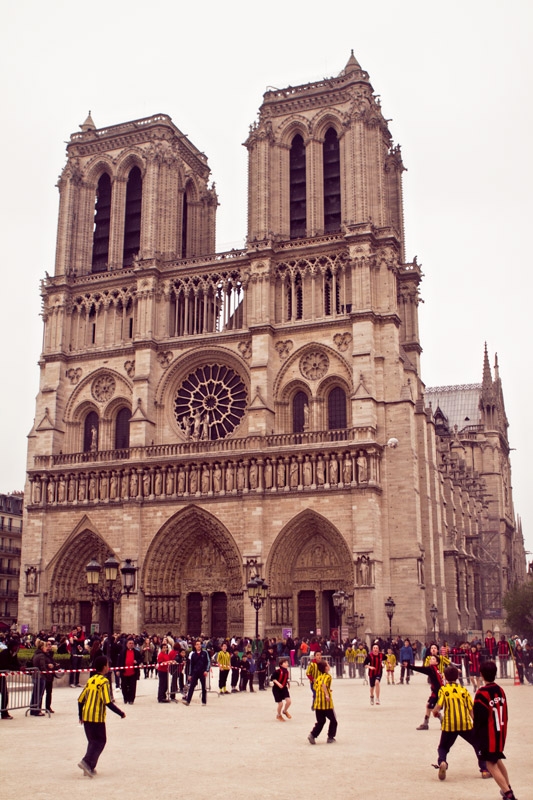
<point x="214" y="416"/>
<point x="10" y="547"/>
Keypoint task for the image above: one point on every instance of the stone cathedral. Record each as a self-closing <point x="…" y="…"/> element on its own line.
<point x="216" y="416"/>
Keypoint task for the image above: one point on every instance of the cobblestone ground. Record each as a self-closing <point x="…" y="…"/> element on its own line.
<point x="237" y="743"/>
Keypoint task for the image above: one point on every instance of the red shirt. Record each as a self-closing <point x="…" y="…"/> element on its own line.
<point x="129" y="663"/>
<point x="162" y="659"/>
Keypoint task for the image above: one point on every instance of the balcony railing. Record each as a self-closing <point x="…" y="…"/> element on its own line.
<point x="9" y="571"/>
<point x="15" y="551"/>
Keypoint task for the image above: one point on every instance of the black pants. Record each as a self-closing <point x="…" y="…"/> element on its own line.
<point x="96" y="737"/>
<point x="222" y="678"/>
<point x="243" y="683"/>
<point x="405" y="671"/>
<point x="76" y="662"/>
<point x="261" y="677"/>
<point x="234" y="677"/>
<point x="321" y="717"/>
<point x="4" y="696"/>
<point x="162" y="687"/>
<point x="39" y="683"/>
<point x="194" y="680"/>
<point x="129" y="687"/>
<point x="49" y="685"/>
<point x="447" y="739"/>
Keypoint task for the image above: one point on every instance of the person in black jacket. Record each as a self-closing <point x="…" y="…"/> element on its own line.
<point x="8" y="663"/>
<point x="199" y="664"/>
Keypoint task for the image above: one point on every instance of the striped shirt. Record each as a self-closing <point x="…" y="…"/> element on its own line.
<point x="223" y="660"/>
<point x="94" y="698"/>
<point x="490" y="718"/>
<point x="443" y="662"/>
<point x="323" y="699"/>
<point x="456" y="704"/>
<point x="312" y="671"/>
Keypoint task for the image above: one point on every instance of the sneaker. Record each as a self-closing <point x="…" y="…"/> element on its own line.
<point x="185" y="702"/>
<point x="287" y="715"/>
<point x="378" y="703"/>
<point x="278" y="716"/>
<point x="85" y="768"/>
<point x="485" y="773"/>
<point x="442" y="771"/>
<point x="371" y="701"/>
<point x="423" y="727"/>
<point x="311" y="739"/>
<point x="331" y="740"/>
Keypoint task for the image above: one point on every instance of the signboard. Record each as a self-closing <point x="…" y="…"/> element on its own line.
<point x="286" y="633"/>
<point x="318" y="631"/>
<point x="24" y="629"/>
<point x="95" y="627"/>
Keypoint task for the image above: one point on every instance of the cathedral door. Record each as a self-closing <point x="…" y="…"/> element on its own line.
<point x="306" y="613"/>
<point x="86" y="615"/>
<point x="194" y="614"/>
<point x="219" y="614"/>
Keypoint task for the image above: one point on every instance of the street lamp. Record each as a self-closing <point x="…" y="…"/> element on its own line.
<point x="434" y="611"/>
<point x="258" y="593"/>
<point x="110" y="595"/>
<point x="340" y="601"/>
<point x="390" y="605"/>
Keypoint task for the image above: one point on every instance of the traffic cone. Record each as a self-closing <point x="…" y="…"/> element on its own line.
<point x="516" y="678"/>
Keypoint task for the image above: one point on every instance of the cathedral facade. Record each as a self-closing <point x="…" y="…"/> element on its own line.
<point x="216" y="416"/>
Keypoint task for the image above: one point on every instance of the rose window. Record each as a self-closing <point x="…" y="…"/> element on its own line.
<point x="210" y="403"/>
<point x="314" y="365"/>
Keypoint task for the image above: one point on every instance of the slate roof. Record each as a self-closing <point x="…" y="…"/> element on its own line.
<point x="460" y="403"/>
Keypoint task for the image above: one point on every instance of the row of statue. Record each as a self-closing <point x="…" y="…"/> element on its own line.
<point x="196" y="428"/>
<point x="284" y="472"/>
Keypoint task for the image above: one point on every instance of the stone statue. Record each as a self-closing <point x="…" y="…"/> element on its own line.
<point x="94" y="439"/>
<point x="51" y="492"/>
<point x="31" y="580"/>
<point x="205" y="479"/>
<point x="71" y="490"/>
<point x="197" y="424"/>
<point x="104" y="486"/>
<point x="37" y="492"/>
<point x="364" y="571"/>
<point x="347" y="470"/>
<point x="158" y="485"/>
<point x="306" y="417"/>
<point x="169" y="483"/>
<point x="205" y="428"/>
<point x="134" y="484"/>
<point x="333" y="471"/>
<point x="81" y="489"/>
<point x="229" y="478"/>
<point x="280" y="474"/>
<point x="146" y="484"/>
<point x="320" y="471"/>
<point x="253" y="475"/>
<point x="92" y="487"/>
<point x="124" y="486"/>
<point x="293" y="474"/>
<point x="61" y="490"/>
<point x="113" y="487"/>
<point x="362" y="468"/>
<point x="188" y="423"/>
<point x="217" y="478"/>
<point x="268" y="474"/>
<point x="308" y="472"/>
<point x="193" y="481"/>
<point x="240" y="476"/>
<point x="181" y="480"/>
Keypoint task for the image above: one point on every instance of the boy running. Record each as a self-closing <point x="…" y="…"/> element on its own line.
<point x="374" y="663"/>
<point x="490" y="727"/>
<point x="456" y="704"/>
<point x="437" y="682"/>
<point x="323" y="705"/>
<point x="92" y="704"/>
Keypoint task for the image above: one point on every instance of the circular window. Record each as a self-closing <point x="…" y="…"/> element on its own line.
<point x="210" y="403"/>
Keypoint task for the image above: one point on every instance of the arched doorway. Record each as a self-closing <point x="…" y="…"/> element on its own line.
<point x="192" y="577"/>
<point x="70" y="601"/>
<point x="308" y="562"/>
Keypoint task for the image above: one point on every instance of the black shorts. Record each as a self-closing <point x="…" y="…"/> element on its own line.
<point x="373" y="678"/>
<point x="280" y="694"/>
<point x="485" y="755"/>
<point x="432" y="700"/>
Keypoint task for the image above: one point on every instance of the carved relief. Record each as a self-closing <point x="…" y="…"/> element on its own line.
<point x="284" y="348"/>
<point x="103" y="388"/>
<point x="246" y="350"/>
<point x="31" y="580"/>
<point x="314" y="365"/>
<point x="74" y="375"/>
<point x="364" y="571"/>
<point x="165" y="358"/>
<point x="342" y="340"/>
<point x="129" y="366"/>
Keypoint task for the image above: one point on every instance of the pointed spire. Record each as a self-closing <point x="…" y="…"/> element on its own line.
<point x="496" y="368"/>
<point x="352" y="65"/>
<point x="88" y="125"/>
<point x="487" y="375"/>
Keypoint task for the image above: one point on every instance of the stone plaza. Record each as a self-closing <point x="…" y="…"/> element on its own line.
<point x="235" y="745"/>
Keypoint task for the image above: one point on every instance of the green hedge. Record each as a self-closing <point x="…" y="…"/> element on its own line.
<point x="63" y="659"/>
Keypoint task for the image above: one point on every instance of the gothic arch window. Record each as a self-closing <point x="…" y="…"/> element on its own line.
<point x="102" y="218"/>
<point x="122" y="429"/>
<point x="132" y="220"/>
<point x="299" y="402"/>
<point x="336" y="408"/>
<point x="295" y="298"/>
<point x="332" y="294"/>
<point x="297" y="188"/>
<point x="90" y="432"/>
<point x="332" y="181"/>
<point x="184" y="226"/>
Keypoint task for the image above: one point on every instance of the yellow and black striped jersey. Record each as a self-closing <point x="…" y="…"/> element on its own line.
<point x="94" y="698"/>
<point x="443" y="662"/>
<point x="322" y="686"/>
<point x="391" y="661"/>
<point x="223" y="659"/>
<point x="312" y="671"/>
<point x="350" y="655"/>
<point x="456" y="705"/>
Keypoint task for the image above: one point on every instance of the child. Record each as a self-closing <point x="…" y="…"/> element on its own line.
<point x="245" y="672"/>
<point x="92" y="704"/>
<point x="391" y="665"/>
<point x="323" y="705"/>
<point x="456" y="704"/>
<point x="223" y="659"/>
<point x="474" y="663"/>
<point x="312" y="673"/>
<point x="437" y="681"/>
<point x="374" y="662"/>
<point x="490" y="727"/>
<point x="235" y="662"/>
<point x="280" y="688"/>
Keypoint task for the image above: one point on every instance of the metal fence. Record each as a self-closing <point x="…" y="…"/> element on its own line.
<point x="22" y="690"/>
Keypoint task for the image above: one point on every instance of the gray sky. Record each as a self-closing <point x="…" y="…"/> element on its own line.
<point x="455" y="78"/>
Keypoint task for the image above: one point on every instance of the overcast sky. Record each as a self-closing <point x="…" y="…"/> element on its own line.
<point x="455" y="79"/>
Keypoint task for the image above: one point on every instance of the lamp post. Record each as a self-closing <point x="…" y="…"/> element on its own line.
<point x="340" y="601"/>
<point x="258" y="593"/>
<point x="109" y="594"/>
<point x="434" y="611"/>
<point x="390" y="605"/>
